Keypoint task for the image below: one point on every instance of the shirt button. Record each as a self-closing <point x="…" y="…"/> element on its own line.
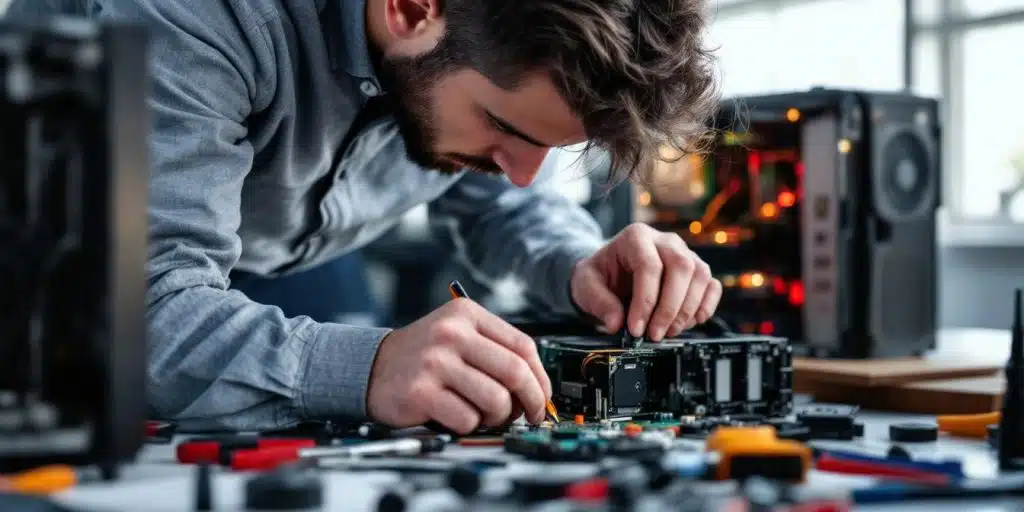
<point x="369" y="88"/>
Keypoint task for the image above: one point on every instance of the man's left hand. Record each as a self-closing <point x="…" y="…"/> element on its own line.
<point x="666" y="286"/>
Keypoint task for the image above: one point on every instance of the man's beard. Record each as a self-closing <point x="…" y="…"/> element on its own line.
<point x="408" y="82"/>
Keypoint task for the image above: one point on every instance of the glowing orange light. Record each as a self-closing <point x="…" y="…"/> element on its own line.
<point x="721" y="237"/>
<point x="696" y="227"/>
<point x="787" y="199"/>
<point x="793" y="115"/>
<point x="769" y="210"/>
<point x="757" y="279"/>
<point x="645" y="199"/>
<point x="796" y="293"/>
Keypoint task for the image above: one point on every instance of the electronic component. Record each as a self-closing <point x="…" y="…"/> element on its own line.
<point x="692" y="375"/>
<point x="286" y="488"/>
<point x="72" y="243"/>
<point x="913" y="432"/>
<point x="863" y="210"/>
<point x="816" y="211"/>
<point x="746" y="452"/>
<point x="830" y="421"/>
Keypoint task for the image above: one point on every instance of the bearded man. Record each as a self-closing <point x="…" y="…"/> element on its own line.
<point x="288" y="133"/>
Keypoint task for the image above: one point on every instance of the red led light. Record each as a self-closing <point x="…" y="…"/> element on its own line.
<point x="796" y="293"/>
<point x="779" y="285"/>
<point x="786" y="199"/>
<point x="766" y="328"/>
<point x="753" y="163"/>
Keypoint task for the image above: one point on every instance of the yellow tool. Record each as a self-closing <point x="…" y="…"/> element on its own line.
<point x="968" y="425"/>
<point x="757" y="451"/>
<point x="458" y="292"/>
<point x="42" y="480"/>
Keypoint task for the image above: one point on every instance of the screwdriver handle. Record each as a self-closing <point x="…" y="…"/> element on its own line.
<point x="42" y="480"/>
<point x="968" y="425"/>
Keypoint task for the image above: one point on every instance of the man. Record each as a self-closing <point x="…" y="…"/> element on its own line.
<point x="289" y="132"/>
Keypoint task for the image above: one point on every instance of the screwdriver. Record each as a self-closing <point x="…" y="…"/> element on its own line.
<point x="458" y="292"/>
<point x="44" y="479"/>
<point x="270" y="458"/>
<point x="968" y="425"/>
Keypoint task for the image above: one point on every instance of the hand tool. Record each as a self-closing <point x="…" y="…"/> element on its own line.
<point x="951" y="470"/>
<point x="204" y="488"/>
<point x="46" y="479"/>
<point x="879" y="469"/>
<point x="457" y="291"/>
<point x="159" y="432"/>
<point x="219" y="450"/>
<point x="1011" y="425"/>
<point x="756" y="451"/>
<point x="913" y="432"/>
<point x="968" y="425"/>
<point x="897" y="493"/>
<point x="269" y="458"/>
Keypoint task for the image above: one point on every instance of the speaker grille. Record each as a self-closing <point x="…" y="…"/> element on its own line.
<point x="906" y="173"/>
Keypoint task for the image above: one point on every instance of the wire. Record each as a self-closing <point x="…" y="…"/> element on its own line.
<point x="719" y="201"/>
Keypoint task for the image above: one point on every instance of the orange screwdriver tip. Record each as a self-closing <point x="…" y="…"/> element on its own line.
<point x="456" y="290"/>
<point x="552" y="412"/>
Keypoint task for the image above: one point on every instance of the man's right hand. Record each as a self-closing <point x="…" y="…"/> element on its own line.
<point x="460" y="366"/>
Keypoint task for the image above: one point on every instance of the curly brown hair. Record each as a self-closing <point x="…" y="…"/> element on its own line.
<point x="637" y="72"/>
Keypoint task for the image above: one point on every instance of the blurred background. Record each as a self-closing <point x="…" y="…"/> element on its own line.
<point x="965" y="53"/>
<point x="968" y="54"/>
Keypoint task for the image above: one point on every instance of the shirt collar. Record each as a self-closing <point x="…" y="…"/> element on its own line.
<point x="345" y="21"/>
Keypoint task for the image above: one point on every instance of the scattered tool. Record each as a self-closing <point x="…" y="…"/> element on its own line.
<point x="913" y="432"/>
<point x="756" y="451"/>
<point x="160" y="432"/>
<point x="457" y="291"/>
<point x="270" y="458"/>
<point x="204" y="488"/>
<point x="968" y="425"/>
<point x="830" y="421"/>
<point x="1011" y="425"/>
<point x="287" y="488"/>
<point x="47" y="479"/>
<point x="220" y="450"/>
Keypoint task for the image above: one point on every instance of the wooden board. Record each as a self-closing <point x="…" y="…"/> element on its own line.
<point x="886" y="372"/>
<point x="954" y="396"/>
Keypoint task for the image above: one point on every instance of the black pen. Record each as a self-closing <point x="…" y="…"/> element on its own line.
<point x="458" y="292"/>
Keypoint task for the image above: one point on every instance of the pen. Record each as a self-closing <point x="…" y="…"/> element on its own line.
<point x="458" y="292"/>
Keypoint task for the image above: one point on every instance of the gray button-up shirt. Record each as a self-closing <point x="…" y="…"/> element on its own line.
<point x="252" y="101"/>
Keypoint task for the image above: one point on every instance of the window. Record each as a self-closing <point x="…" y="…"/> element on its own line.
<point x="975" y="8"/>
<point x="992" y="162"/>
<point x="927" y="73"/>
<point x="768" y="47"/>
<point x="985" y="124"/>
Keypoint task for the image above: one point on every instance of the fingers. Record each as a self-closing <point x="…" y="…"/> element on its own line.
<point x="677" y="286"/>
<point x="452" y="411"/>
<point x="496" y="329"/>
<point x="595" y="297"/>
<point x="485" y="394"/>
<point x="646" y="266"/>
<point x="708" y="305"/>
<point x="701" y="278"/>
<point x="510" y="371"/>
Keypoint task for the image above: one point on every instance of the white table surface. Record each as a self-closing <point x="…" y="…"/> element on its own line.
<point x="157" y="483"/>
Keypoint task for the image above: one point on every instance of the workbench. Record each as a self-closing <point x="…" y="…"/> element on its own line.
<point x="156" y="482"/>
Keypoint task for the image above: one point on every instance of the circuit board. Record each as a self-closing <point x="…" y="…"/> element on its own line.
<point x="583" y="441"/>
<point x="599" y="378"/>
